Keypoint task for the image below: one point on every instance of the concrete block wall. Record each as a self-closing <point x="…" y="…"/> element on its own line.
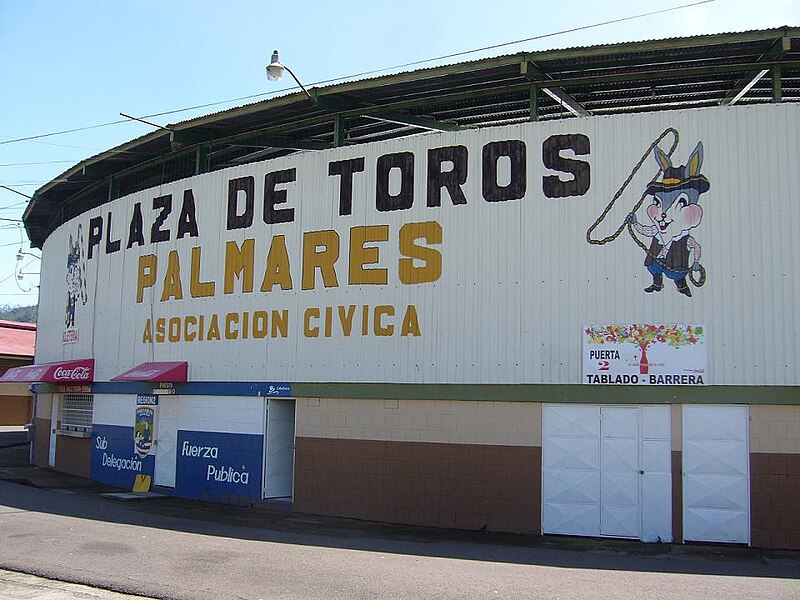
<point x="775" y="476"/>
<point x="470" y="465"/>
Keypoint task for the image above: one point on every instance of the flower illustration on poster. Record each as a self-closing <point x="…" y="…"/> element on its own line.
<point x="645" y="354"/>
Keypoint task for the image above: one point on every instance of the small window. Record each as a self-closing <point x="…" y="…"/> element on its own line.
<point x="76" y="412"/>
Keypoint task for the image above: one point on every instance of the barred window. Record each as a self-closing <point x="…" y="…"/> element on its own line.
<point x="76" y="412"/>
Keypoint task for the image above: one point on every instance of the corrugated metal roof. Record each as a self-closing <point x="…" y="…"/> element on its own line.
<point x="17" y="339"/>
<point x="616" y="78"/>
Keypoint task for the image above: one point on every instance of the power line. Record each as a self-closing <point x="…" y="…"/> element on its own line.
<point x="43" y="162"/>
<point x="531" y="39"/>
<point x="373" y="72"/>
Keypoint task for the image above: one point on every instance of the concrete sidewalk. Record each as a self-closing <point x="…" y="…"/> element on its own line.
<point x="18" y="586"/>
<point x="13" y="435"/>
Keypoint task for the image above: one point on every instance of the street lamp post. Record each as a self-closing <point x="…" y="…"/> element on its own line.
<point x="275" y="70"/>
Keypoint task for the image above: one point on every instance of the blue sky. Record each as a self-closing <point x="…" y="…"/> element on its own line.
<point x="67" y="65"/>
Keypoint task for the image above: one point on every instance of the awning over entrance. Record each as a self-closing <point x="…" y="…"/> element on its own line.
<point x="172" y="372"/>
<point x="68" y="372"/>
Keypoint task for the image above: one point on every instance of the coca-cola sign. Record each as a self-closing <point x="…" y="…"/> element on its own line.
<point x="73" y="371"/>
<point x="81" y="373"/>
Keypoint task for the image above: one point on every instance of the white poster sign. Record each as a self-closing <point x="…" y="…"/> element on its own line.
<point x="644" y="354"/>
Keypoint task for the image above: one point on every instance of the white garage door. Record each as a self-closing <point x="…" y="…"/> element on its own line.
<point x="716" y="474"/>
<point x="606" y="471"/>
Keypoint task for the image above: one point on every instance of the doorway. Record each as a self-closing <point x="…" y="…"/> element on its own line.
<point x="166" y="441"/>
<point x="279" y="449"/>
<point x="607" y="471"/>
<point x="716" y="474"/>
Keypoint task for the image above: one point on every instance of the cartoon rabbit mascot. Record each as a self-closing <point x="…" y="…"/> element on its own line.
<point x="76" y="282"/>
<point x="675" y="210"/>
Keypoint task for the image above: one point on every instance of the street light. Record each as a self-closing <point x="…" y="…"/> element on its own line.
<point x="275" y="70"/>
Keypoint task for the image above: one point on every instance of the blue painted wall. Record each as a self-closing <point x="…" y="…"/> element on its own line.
<point x="113" y="460"/>
<point x="219" y="467"/>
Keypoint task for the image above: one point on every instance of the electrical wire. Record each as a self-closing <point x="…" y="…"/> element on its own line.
<point x="366" y="73"/>
<point x="43" y="162"/>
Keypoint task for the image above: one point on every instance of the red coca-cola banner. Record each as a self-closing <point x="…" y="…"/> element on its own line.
<point x="174" y="372"/>
<point x="65" y="373"/>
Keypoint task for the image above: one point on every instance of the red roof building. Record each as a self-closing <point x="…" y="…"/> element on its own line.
<point x="17" y="342"/>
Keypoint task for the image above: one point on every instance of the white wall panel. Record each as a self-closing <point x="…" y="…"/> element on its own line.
<point x="114" y="409"/>
<point x="518" y="282"/>
<point x="231" y="414"/>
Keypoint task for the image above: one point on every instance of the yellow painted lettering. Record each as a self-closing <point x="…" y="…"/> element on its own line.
<point x="172" y="280"/>
<point x="147" y="274"/>
<point x="278" y="270"/>
<point x="365" y="319"/>
<point x="187" y="322"/>
<point x="431" y="269"/>
<point x="410" y="322"/>
<point x="384" y="310"/>
<point x="161" y="329"/>
<point x="346" y="318"/>
<point x="320" y="251"/>
<point x="280" y="323"/>
<point x="260" y="324"/>
<point x="147" y="335"/>
<point x="361" y="255"/>
<point x="231" y="319"/>
<point x="174" y="330"/>
<point x="239" y="265"/>
<point x="308" y="330"/>
<point x="213" y="328"/>
<point x="199" y="289"/>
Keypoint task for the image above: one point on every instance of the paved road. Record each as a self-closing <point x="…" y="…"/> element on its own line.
<point x="169" y="548"/>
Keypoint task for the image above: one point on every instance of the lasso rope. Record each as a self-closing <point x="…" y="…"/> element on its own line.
<point x="637" y="206"/>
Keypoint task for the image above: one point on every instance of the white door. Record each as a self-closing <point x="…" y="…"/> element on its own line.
<point x="51" y="455"/>
<point x="619" y="472"/>
<point x="279" y="450"/>
<point x="166" y="441"/>
<point x="571" y="470"/>
<point x="606" y="471"/>
<point x="655" y="464"/>
<point x="716" y="474"/>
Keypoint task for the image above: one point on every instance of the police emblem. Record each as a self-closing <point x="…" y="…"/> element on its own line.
<point x="143" y="431"/>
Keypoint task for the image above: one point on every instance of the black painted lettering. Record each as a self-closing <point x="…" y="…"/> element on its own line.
<point x="404" y="161"/>
<point x="187" y="222"/>
<point x="248" y="186"/>
<point x="272" y="197"/>
<point x="164" y="204"/>
<point x="111" y="247"/>
<point x="515" y="190"/>
<point x="136" y="229"/>
<point x="552" y="185"/>
<point x="95" y="233"/>
<point x="452" y="179"/>
<point x="345" y="170"/>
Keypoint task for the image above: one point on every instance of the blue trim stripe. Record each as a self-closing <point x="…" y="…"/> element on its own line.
<point x="269" y="389"/>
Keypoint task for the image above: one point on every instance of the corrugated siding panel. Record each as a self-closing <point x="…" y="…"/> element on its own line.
<point x="519" y="281"/>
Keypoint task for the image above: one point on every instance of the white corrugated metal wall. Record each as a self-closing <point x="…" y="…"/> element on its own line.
<point x="519" y="281"/>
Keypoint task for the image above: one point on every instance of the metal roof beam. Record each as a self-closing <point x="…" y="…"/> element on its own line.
<point x="402" y="118"/>
<point x="531" y="72"/>
<point x="265" y="142"/>
<point x="778" y="50"/>
<point x="340" y="105"/>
